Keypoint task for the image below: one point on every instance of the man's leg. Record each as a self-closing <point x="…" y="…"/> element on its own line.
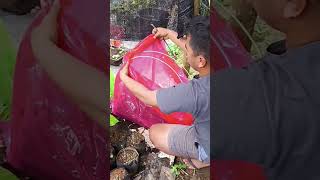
<point x="176" y="140"/>
<point x="159" y="137"/>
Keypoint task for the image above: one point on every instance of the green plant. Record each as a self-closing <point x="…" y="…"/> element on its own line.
<point x="177" y="168"/>
<point x="4" y="174"/>
<point x="113" y="120"/>
<point x="7" y="62"/>
<point x="178" y="55"/>
<point x="255" y="46"/>
<point x="129" y="6"/>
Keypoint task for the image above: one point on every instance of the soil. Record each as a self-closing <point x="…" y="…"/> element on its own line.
<point x="127" y="155"/>
<point x="150" y="165"/>
<point x="118" y="135"/>
<point x="119" y="174"/>
<point x="200" y="174"/>
<point x="136" y="140"/>
<point x="112" y="157"/>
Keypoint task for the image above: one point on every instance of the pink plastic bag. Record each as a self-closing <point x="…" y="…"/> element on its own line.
<point x="50" y="137"/>
<point x="228" y="52"/>
<point x="150" y="65"/>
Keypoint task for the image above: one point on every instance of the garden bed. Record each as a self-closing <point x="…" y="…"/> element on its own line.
<point x="151" y="163"/>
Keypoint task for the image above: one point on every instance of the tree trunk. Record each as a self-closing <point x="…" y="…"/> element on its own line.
<point x="247" y="16"/>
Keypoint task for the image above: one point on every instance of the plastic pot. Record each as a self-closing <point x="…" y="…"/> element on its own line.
<point x="128" y="158"/>
<point x="137" y="141"/>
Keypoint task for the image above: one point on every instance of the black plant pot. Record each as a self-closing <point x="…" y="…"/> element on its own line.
<point x="128" y="158"/>
<point x="112" y="158"/>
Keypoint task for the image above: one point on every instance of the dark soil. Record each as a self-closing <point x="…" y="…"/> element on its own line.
<point x="127" y="155"/>
<point x="150" y="165"/>
<point x="118" y="135"/>
<point x="136" y="140"/>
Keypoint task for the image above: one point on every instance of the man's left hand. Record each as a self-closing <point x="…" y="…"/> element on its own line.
<point x="124" y="71"/>
<point x="47" y="30"/>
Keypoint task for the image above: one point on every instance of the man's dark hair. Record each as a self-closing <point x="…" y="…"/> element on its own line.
<point x="199" y="30"/>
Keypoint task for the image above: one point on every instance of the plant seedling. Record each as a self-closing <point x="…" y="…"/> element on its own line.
<point x="177" y="168"/>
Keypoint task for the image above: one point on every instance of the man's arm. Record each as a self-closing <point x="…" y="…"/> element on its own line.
<point x="138" y="90"/>
<point x="180" y="98"/>
<point x="84" y="84"/>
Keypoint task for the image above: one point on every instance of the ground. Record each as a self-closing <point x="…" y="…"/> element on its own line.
<point x="152" y="164"/>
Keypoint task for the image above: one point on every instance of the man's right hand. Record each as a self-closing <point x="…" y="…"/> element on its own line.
<point x="161" y="33"/>
<point x="165" y="34"/>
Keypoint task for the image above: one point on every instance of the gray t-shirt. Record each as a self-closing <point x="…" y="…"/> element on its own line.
<point x="194" y="98"/>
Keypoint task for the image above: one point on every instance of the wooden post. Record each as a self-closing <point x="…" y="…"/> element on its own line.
<point x="196" y="10"/>
<point x="247" y="16"/>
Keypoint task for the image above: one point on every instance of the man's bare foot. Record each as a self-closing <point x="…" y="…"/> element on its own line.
<point x="195" y="164"/>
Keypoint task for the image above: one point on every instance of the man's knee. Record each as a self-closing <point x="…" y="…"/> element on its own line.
<point x="154" y="134"/>
<point x="158" y="136"/>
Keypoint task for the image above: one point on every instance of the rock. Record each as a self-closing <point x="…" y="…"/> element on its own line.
<point x="145" y="175"/>
<point x="166" y="174"/>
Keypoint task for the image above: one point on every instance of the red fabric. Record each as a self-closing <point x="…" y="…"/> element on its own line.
<point x="151" y="66"/>
<point x="228" y="52"/>
<point x="50" y="137"/>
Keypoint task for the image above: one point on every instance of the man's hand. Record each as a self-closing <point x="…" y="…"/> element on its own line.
<point x="69" y="73"/>
<point x="47" y="30"/>
<point x="165" y="34"/>
<point x="138" y="90"/>
<point x="124" y="71"/>
<point x="161" y="33"/>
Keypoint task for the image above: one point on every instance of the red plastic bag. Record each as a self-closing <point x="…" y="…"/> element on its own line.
<point x="51" y="138"/>
<point x="150" y="65"/>
<point x="228" y="52"/>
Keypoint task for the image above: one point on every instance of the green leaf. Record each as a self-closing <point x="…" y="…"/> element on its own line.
<point x="113" y="120"/>
<point x="177" y="168"/>
<point x="6" y="175"/>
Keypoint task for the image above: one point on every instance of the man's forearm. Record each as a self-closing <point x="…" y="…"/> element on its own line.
<point x="141" y="92"/>
<point x="86" y="85"/>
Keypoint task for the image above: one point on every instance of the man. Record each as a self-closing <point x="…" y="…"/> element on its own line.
<point x="192" y="142"/>
<point x="268" y="113"/>
<point x="193" y="97"/>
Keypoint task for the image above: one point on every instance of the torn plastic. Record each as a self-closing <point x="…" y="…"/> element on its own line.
<point x="149" y="64"/>
<point x="51" y="137"/>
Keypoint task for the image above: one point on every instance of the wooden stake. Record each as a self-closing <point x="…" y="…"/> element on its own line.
<point x="197" y="4"/>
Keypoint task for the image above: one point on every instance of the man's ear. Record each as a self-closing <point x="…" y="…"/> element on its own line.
<point x="202" y="61"/>
<point x="294" y="8"/>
